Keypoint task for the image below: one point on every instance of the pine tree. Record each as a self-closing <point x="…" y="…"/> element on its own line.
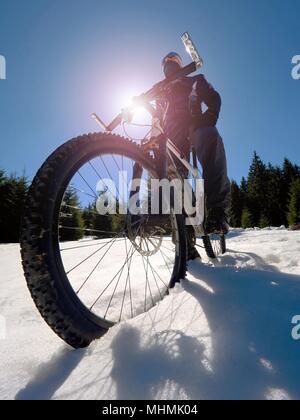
<point x="71" y="219"/>
<point x="257" y="185"/>
<point x="244" y="187"/>
<point x="13" y="192"/>
<point x="2" y="176"/>
<point x="102" y="223"/>
<point x="102" y="226"/>
<point x="117" y="223"/>
<point x="88" y="215"/>
<point x="273" y="213"/>
<point x="290" y="172"/>
<point x="246" y="219"/>
<point x="264" y="221"/>
<point x="293" y="215"/>
<point x="237" y="204"/>
<point x="2" y="198"/>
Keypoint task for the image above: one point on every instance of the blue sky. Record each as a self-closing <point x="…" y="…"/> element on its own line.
<point x="69" y="58"/>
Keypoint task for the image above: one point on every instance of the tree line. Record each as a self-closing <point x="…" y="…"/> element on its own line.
<point x="75" y="222"/>
<point x="269" y="196"/>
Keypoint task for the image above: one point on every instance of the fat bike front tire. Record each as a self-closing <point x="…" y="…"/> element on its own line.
<point x="45" y="273"/>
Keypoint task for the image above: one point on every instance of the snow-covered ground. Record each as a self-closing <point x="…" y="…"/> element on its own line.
<point x="225" y="333"/>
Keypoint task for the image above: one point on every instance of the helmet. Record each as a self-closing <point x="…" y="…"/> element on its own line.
<point x="171" y="63"/>
<point x="172" y="56"/>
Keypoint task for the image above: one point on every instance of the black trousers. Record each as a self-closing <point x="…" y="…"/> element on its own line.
<point x="211" y="154"/>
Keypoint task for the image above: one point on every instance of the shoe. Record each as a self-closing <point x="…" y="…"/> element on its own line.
<point x="216" y="222"/>
<point x="193" y="254"/>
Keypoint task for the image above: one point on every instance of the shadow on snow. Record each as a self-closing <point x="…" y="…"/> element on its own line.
<point x="253" y="356"/>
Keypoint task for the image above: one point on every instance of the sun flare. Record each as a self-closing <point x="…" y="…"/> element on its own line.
<point x="140" y="113"/>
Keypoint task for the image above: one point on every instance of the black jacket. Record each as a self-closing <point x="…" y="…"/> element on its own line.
<point x="183" y="105"/>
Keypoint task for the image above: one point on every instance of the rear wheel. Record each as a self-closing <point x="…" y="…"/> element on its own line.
<point x="215" y="245"/>
<point x="87" y="271"/>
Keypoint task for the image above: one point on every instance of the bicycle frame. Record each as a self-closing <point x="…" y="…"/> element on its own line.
<point x="196" y="222"/>
<point x="165" y="153"/>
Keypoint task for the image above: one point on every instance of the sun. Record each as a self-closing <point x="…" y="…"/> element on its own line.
<point x="140" y="113"/>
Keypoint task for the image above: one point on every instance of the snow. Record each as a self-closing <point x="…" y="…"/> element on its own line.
<point x="224" y="333"/>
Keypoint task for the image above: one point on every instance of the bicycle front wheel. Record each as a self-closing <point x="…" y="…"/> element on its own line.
<point x="87" y="271"/>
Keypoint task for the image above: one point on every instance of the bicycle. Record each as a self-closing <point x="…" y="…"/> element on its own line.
<point x="76" y="282"/>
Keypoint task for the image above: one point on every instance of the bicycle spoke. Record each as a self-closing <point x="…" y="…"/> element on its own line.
<point x="95" y="213"/>
<point x="87" y="246"/>
<point x="97" y="173"/>
<point x="95" y="268"/>
<point x="150" y="291"/>
<point x="90" y="256"/>
<point x="88" y="230"/>
<point x="101" y="294"/>
<point x="107" y="170"/>
<point x="146" y="272"/>
<point x="147" y="282"/>
<point x="171" y="250"/>
<point x="85" y="181"/>
<point x="130" y="292"/>
<point x="155" y="245"/>
<point x="116" y="163"/>
<point x="144" y="263"/>
<point x="159" y="291"/>
<point x="84" y="192"/>
<point x="165" y="261"/>
<point x="158" y="275"/>
<point x="115" y="289"/>
<point x="125" y="290"/>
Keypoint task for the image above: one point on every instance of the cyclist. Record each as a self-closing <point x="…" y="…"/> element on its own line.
<point x="182" y="117"/>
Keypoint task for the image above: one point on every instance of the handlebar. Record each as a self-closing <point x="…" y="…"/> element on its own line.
<point x="154" y="93"/>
